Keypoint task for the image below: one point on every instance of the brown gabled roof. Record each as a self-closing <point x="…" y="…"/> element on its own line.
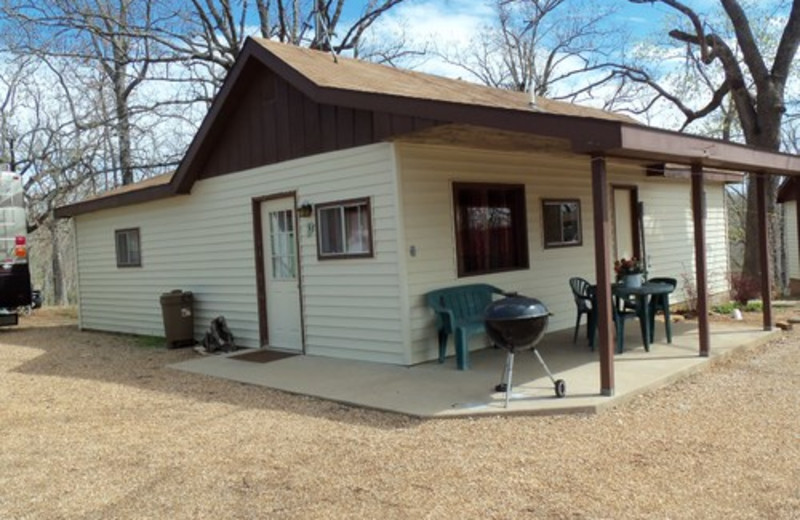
<point x="147" y="189"/>
<point x="157" y="180"/>
<point x="367" y="86"/>
<point x="370" y="78"/>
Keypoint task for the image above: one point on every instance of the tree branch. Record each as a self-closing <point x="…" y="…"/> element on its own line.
<point x="744" y="36"/>
<point x="787" y="48"/>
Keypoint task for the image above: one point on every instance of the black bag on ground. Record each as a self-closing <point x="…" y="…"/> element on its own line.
<point x="219" y="337"/>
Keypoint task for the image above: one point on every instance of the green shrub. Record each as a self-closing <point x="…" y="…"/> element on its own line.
<point x="725" y="308"/>
<point x="754" y="307"/>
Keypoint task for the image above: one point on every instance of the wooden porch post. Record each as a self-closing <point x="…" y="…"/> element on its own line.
<point x="763" y="249"/>
<point x="602" y="268"/>
<point x="699" y="217"/>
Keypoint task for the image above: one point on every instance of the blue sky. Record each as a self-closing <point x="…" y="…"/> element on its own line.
<point x="455" y="22"/>
<point x="454" y="16"/>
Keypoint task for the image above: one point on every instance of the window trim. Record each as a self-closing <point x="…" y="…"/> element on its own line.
<point x="559" y="245"/>
<point x="365" y="201"/>
<point x="120" y="263"/>
<point x="520" y="232"/>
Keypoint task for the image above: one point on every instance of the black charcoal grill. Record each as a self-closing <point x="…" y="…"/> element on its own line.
<point x="518" y="323"/>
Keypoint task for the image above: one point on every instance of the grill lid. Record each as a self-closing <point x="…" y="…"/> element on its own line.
<point x="515" y="308"/>
<point x="516" y="322"/>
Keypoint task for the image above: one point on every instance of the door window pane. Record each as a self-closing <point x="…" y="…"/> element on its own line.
<point x="283" y="250"/>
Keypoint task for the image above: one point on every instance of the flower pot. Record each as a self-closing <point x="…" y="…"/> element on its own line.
<point x="632" y="280"/>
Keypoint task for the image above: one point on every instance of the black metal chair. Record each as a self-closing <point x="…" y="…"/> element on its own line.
<point x="660" y="302"/>
<point x="583" y="293"/>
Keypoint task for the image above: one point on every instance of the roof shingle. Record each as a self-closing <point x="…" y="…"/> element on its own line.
<point x="360" y="76"/>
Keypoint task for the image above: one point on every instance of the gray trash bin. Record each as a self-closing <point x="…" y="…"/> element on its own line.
<point x="178" y="313"/>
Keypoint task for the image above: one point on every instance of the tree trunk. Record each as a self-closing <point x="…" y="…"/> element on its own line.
<point x="123" y="118"/>
<point x="752" y="264"/>
<point x="55" y="263"/>
<point x="124" y="141"/>
<point x="764" y="133"/>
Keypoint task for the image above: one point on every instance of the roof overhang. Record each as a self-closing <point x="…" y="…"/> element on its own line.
<point x="644" y="143"/>
<point x="115" y="199"/>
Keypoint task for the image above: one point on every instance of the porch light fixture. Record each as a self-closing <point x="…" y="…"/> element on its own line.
<point x="305" y="210"/>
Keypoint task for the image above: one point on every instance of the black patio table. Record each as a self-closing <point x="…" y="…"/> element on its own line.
<point x="642" y="295"/>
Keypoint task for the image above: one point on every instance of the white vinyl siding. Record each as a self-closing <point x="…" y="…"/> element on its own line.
<point x="669" y="229"/>
<point x="426" y="177"/>
<point x="790" y="233"/>
<point x="370" y="308"/>
<point x="204" y="243"/>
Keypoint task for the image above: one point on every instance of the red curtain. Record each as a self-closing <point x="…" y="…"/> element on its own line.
<point x="486" y="227"/>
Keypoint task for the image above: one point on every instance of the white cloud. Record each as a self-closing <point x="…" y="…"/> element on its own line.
<point x="448" y="22"/>
<point x="445" y="24"/>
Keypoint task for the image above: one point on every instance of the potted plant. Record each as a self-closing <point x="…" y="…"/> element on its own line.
<point x="629" y="271"/>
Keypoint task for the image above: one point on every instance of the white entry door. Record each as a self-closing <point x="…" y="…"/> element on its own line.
<point x="281" y="274"/>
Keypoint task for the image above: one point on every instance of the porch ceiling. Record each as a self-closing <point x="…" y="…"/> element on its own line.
<point x="469" y="136"/>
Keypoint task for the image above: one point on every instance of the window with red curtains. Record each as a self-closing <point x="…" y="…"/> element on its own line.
<point x="491" y="233"/>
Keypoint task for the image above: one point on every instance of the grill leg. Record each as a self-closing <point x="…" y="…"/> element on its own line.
<point x="549" y="374"/>
<point x="508" y="374"/>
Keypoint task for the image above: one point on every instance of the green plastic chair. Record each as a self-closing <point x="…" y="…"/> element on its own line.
<point x="459" y="312"/>
<point x="620" y="313"/>
<point x="623" y="312"/>
<point x="583" y="294"/>
<point x="660" y="302"/>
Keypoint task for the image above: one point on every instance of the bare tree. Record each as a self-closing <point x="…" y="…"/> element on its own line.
<point x="751" y="71"/>
<point x="555" y="48"/>
<point x="109" y="41"/>
<point x="54" y="132"/>
<point x="147" y="63"/>
<point x="40" y="143"/>
<point x="212" y="33"/>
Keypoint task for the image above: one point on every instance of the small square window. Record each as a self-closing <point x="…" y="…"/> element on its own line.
<point x="128" y="250"/>
<point x="562" y="223"/>
<point x="344" y="229"/>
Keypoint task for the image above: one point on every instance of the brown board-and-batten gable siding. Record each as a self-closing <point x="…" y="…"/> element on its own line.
<point x="271" y="121"/>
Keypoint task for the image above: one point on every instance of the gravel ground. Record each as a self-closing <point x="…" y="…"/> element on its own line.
<point x="94" y="426"/>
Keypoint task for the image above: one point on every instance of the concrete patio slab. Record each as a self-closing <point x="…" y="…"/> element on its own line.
<point x="434" y="390"/>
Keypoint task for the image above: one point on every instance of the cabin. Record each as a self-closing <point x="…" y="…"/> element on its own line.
<point x="322" y="197"/>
